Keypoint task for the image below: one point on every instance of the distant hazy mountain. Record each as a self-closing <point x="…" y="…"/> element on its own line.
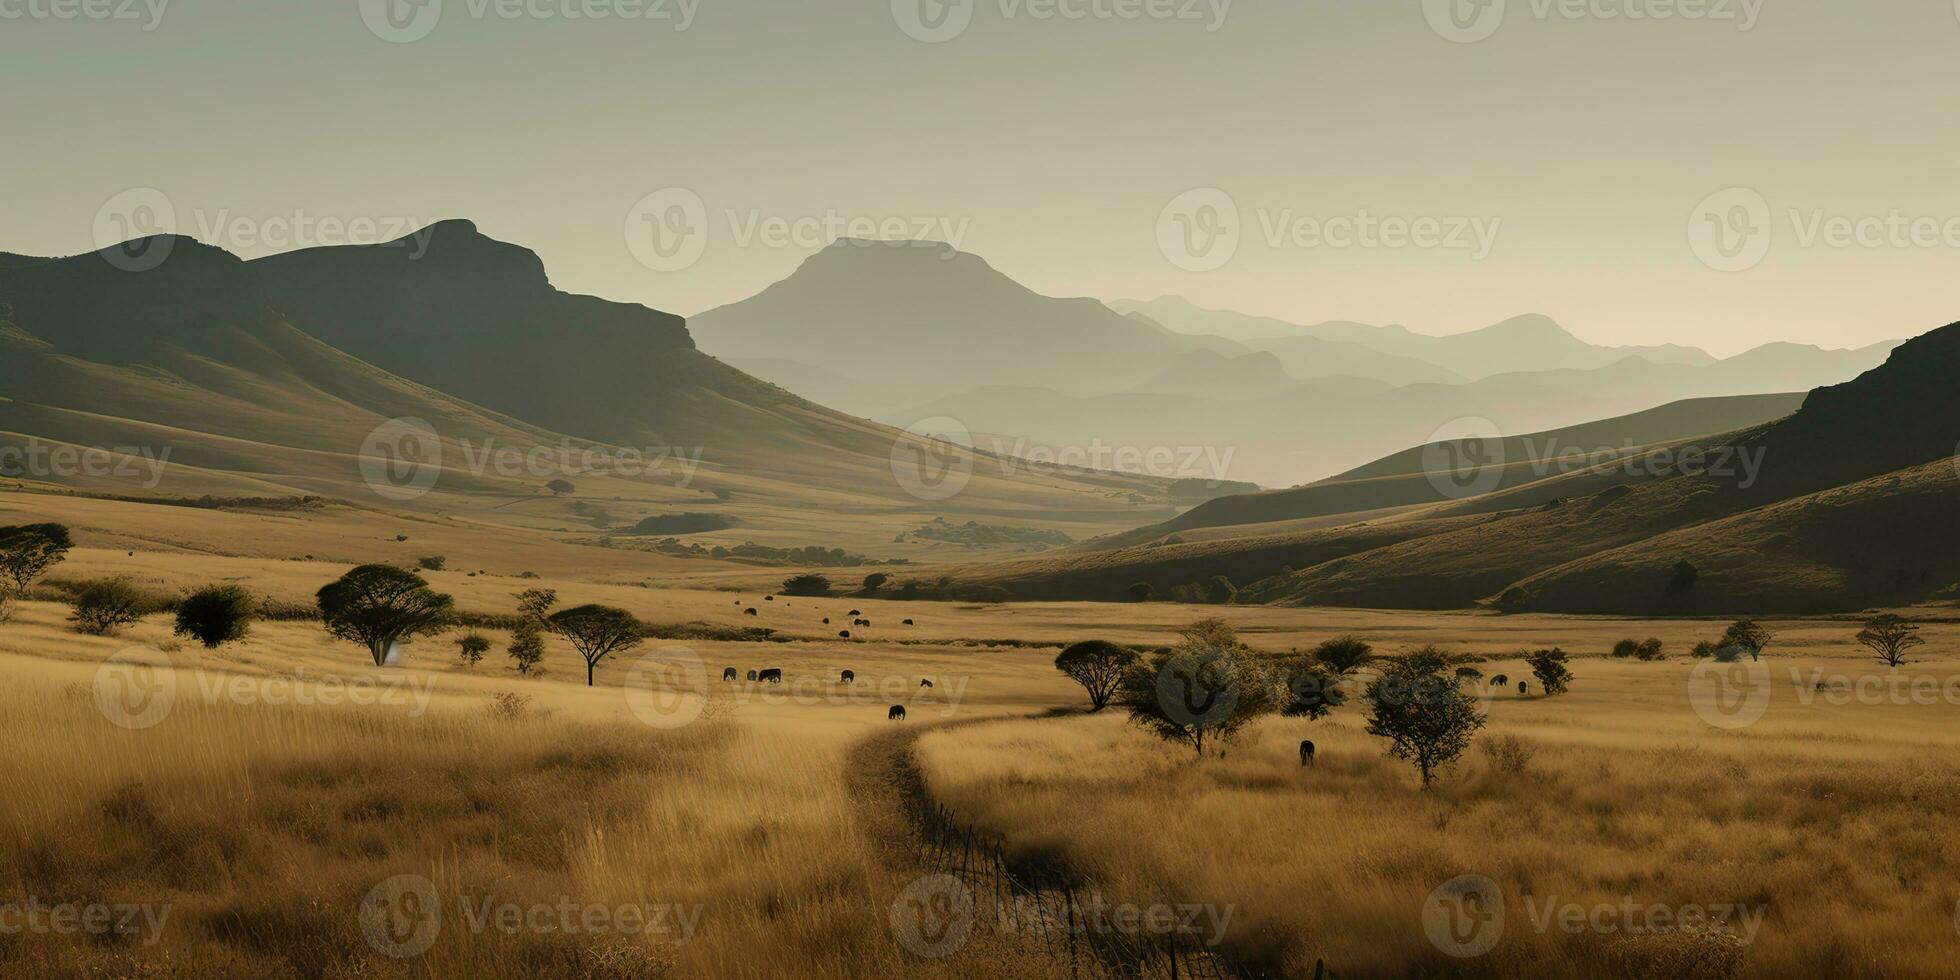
<point x="1520" y="344"/>
<point x="909" y="321"/>
<point x="1209" y="374"/>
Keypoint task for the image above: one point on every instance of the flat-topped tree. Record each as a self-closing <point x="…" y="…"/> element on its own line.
<point x="28" y="550"/>
<point x="378" y="606"/>
<point x="597" y="631"/>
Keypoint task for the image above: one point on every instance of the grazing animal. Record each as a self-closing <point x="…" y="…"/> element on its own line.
<point x="857" y="612"/>
<point x="849" y="677"/>
<point x="897" y="713"/>
<point x="1306" y="752"/>
<point x="728" y="674"/>
<point x="910" y="623"/>
<point x="1501" y="680"/>
<point x="844" y="634"/>
<point x="749" y="611"/>
<point x="923" y="682"/>
<point x="826" y="620"/>
<point x="773" y="675"/>
<point x="768" y="598"/>
<point x="751" y="675"/>
<point x="1522" y="687"/>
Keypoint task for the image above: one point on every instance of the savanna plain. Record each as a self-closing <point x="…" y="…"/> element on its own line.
<point x="236" y="810"/>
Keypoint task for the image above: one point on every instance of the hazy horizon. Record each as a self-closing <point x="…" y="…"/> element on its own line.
<point x="1556" y="166"/>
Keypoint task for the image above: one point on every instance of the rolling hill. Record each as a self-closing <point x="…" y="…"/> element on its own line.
<point x="239" y="372"/>
<point x="1845" y="500"/>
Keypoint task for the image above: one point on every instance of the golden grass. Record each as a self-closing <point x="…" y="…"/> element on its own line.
<point x="1837" y="822"/>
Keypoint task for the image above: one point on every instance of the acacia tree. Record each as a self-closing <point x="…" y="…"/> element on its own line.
<point x="1344" y="654"/>
<point x="1426" y="717"/>
<point x="28" y="550"/>
<point x="1889" y="636"/>
<point x="378" y="606"/>
<point x="1208" y="688"/>
<point x="1747" y="634"/>
<point x="1097" y="665"/>
<point x="596" y="631"/>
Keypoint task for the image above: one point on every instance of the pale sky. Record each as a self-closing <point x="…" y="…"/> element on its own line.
<point x="1584" y="145"/>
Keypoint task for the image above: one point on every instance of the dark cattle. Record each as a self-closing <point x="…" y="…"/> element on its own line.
<point x="857" y="612"/>
<point x="768" y="598"/>
<point x="844" y="634"/>
<point x="1306" y="752"/>
<point x="925" y="683"/>
<point x="910" y="623"/>
<point x="897" y="713"/>
<point x="826" y="620"/>
<point x="751" y="675"/>
<point x="849" y="677"/>
<point x="1522" y="687"/>
<point x="728" y="674"/>
<point x="1500" y="680"/>
<point x="773" y="675"/>
<point x="749" y="611"/>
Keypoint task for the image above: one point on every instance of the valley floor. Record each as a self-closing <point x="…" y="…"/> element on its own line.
<point x="280" y="808"/>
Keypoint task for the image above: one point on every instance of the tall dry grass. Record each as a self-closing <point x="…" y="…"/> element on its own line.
<point x="1840" y="832"/>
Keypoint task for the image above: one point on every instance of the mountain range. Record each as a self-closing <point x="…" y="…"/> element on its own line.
<point x="909" y="331"/>
<point x="1842" y="505"/>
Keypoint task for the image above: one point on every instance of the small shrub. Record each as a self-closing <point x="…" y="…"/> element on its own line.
<point x="1626" y="648"/>
<point x="1549" y="667"/>
<point x="433" y="563"/>
<point x="806" y="585"/>
<point x="215" y="615"/>
<point x="1703" y="650"/>
<point x="472" y="647"/>
<point x="510" y="706"/>
<point x="104" y="607"/>
<point x="1509" y="754"/>
<point x="527" y="649"/>
<point x="1651" y="649"/>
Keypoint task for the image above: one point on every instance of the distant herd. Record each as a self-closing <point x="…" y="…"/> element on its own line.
<point x="774" y="675"/>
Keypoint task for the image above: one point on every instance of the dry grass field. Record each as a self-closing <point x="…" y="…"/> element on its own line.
<point x="291" y="811"/>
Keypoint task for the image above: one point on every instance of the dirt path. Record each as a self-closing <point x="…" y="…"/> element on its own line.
<point x="960" y="896"/>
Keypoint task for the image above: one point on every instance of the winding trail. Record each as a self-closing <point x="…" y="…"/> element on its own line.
<point x="1021" y="909"/>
